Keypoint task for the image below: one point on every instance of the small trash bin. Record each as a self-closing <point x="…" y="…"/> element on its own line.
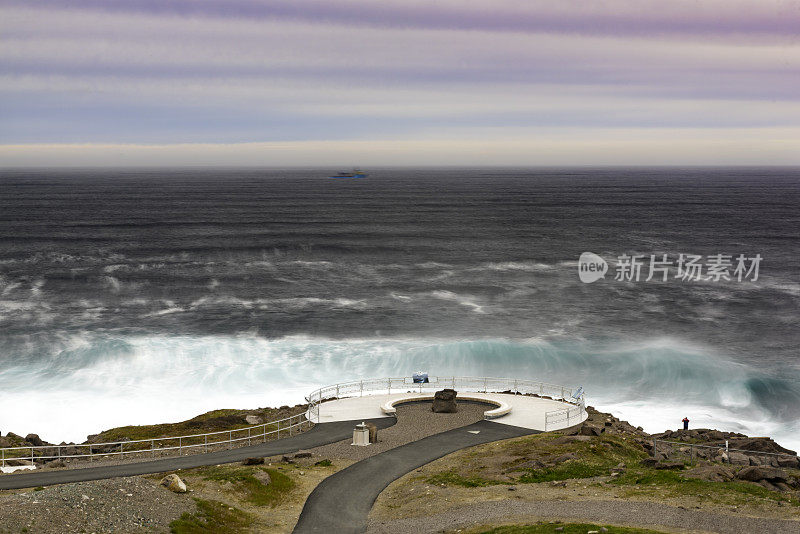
<point x="361" y="435"/>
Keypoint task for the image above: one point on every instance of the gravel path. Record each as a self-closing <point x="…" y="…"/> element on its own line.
<point x="130" y="505"/>
<point x="641" y="514"/>
<point x="414" y="422"/>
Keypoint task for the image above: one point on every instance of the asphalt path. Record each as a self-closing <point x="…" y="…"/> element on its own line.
<point x="341" y="502"/>
<point x="321" y="434"/>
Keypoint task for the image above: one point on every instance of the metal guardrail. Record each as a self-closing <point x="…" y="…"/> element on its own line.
<point x="677" y="448"/>
<point x="151" y="446"/>
<point x="358" y="388"/>
<point x="297" y="422"/>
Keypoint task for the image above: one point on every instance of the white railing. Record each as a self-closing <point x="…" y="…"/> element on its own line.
<point x="570" y="414"/>
<point x="290" y="425"/>
<point x="250" y="435"/>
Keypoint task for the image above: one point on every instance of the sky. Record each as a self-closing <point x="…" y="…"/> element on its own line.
<point x="399" y="82"/>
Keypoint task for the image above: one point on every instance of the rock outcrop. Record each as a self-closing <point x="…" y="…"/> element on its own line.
<point x="444" y="401"/>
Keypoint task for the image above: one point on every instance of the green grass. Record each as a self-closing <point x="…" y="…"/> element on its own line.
<point x="451" y="478"/>
<point x="324" y="463"/>
<point x="211" y="517"/>
<point x="568" y="528"/>
<point x="252" y="489"/>
<point x="592" y="458"/>
<point x="676" y="484"/>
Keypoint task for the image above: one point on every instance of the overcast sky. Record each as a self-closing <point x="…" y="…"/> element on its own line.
<point x="399" y="82"/>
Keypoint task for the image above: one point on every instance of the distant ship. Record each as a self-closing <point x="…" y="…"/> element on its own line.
<point x="357" y="173"/>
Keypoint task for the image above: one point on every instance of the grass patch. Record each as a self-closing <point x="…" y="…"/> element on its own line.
<point x="213" y="421"/>
<point x="246" y="482"/>
<point x="675" y="484"/>
<point x="591" y="458"/>
<point x="568" y="528"/>
<point x="324" y="463"/>
<point x="451" y="478"/>
<point x="211" y="517"/>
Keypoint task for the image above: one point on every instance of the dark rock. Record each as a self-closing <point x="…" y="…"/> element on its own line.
<point x="757" y="473"/>
<point x="669" y="465"/>
<point x="564" y="458"/>
<point x="253" y="461"/>
<point x="14" y="437"/>
<point x="34" y="440"/>
<point x="444" y="401"/>
<point x="759" y="445"/>
<point x="17" y="462"/>
<point x="591" y="430"/>
<point x="738" y="458"/>
<point x="788" y="461"/>
<point x="287" y="460"/>
<point x="302" y="455"/>
<point x="649" y="462"/>
<point x="712" y="473"/>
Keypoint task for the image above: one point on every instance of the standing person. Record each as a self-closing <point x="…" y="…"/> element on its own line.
<point x="686" y="423"/>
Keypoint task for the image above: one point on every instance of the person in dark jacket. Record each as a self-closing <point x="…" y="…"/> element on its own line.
<point x="686" y="423"/>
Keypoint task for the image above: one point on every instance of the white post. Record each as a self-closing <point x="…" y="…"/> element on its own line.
<point x="180" y="445"/>
<point x="205" y="442"/>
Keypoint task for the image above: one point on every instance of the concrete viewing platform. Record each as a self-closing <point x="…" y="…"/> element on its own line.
<point x="522" y="411"/>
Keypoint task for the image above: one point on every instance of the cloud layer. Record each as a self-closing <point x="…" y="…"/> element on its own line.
<point x="81" y="75"/>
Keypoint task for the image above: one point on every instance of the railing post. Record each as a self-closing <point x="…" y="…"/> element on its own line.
<point x="205" y="442"/>
<point x="230" y="439"/>
<point x="180" y="446"/>
<point x="90" y="452"/>
<point x="121" y="450"/>
<point x="152" y="448"/>
<point x="248" y="436"/>
<point x="59" y="452"/>
<point x="4" y="458"/>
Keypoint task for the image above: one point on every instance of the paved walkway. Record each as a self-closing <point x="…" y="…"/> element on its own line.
<point x="321" y="434"/>
<point x="342" y="501"/>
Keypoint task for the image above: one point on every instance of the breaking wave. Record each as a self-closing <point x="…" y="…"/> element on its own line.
<point x="54" y="380"/>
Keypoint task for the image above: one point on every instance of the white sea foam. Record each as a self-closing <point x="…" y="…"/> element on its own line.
<point x="73" y="385"/>
<point x="467" y="301"/>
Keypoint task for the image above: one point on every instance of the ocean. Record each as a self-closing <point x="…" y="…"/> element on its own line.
<point x="136" y="296"/>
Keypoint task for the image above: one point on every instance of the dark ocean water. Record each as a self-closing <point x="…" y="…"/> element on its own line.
<point x="214" y="288"/>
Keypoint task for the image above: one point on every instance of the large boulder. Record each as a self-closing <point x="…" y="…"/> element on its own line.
<point x="444" y="401"/>
<point x="253" y="420"/>
<point x="253" y="461"/>
<point x="34" y="440"/>
<point x="758" y="473"/>
<point x="712" y="473"/>
<point x="174" y="483"/>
